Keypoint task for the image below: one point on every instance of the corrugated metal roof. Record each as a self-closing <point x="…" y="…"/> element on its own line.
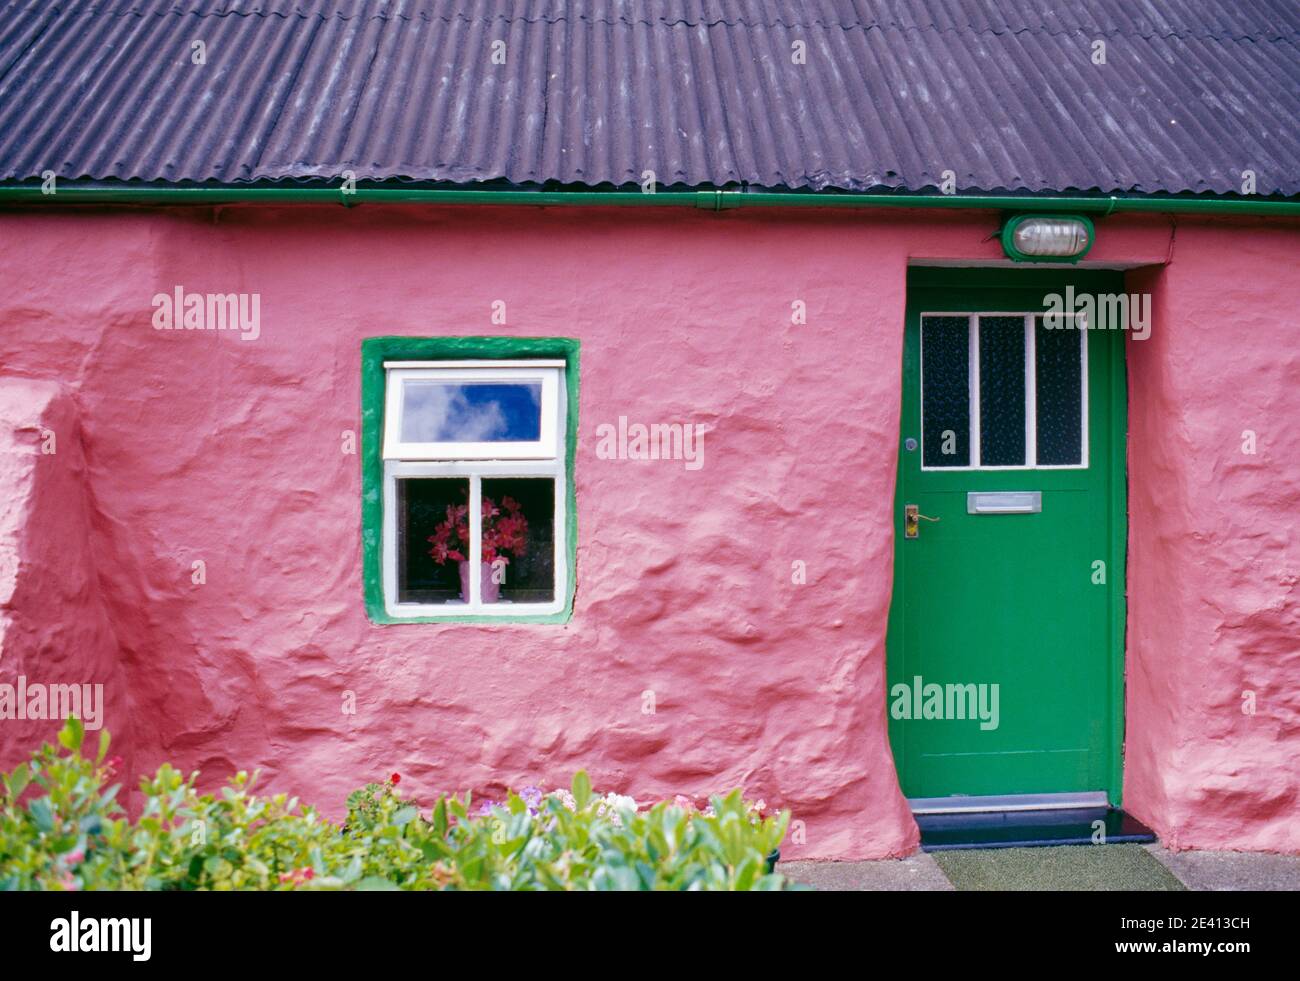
<point x="1003" y="93"/>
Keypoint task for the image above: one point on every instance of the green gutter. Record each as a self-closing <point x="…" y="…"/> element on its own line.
<point x="708" y="200"/>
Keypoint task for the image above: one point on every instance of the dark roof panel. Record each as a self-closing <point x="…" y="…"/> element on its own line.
<point x="1003" y="93"/>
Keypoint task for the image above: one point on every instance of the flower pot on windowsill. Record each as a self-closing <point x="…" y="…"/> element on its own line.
<point x="489" y="591"/>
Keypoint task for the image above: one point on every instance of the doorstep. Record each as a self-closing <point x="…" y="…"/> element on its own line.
<point x="1029" y="829"/>
<point x="1125" y="868"/>
<point x="916" y="873"/>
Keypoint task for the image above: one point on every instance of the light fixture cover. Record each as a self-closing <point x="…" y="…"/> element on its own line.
<point x="1047" y="238"/>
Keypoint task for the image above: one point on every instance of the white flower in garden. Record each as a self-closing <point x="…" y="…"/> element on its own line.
<point x="620" y="802"/>
<point x="610" y="805"/>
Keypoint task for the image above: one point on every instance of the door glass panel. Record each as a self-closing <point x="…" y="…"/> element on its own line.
<point x="1058" y="357"/>
<point x="1002" y="391"/>
<point x="945" y="391"/>
<point x="471" y="412"/>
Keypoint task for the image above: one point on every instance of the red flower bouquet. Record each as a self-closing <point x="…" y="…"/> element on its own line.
<point x="505" y="536"/>
<point x="505" y="532"/>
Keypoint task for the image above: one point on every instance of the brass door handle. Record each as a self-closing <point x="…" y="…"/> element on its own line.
<point x="911" y="517"/>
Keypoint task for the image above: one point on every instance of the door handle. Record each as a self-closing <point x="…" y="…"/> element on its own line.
<point x="912" y="517"/>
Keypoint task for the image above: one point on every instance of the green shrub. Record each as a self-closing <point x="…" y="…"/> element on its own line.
<point x="62" y="828"/>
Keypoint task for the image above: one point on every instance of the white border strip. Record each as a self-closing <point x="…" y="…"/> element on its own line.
<point x="1008" y="802"/>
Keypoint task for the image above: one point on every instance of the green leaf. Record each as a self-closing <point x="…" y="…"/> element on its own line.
<point x="104" y="740"/>
<point x="581" y="789"/>
<point x="64" y="843"/>
<point x="432" y="850"/>
<point x="18" y="780"/>
<point x="746" y="873"/>
<point x="405" y="816"/>
<point x="72" y="733"/>
<point x="352" y="872"/>
<point x="459" y="810"/>
<point x="42" y="813"/>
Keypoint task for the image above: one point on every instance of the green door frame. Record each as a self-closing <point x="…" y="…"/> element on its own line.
<point x="985" y="288"/>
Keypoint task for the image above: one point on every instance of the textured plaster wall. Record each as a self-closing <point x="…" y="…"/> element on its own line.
<point x="1214" y="545"/>
<point x="55" y="631"/>
<point x="205" y="447"/>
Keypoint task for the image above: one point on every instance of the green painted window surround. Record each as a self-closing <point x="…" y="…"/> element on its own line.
<point x="374" y="352"/>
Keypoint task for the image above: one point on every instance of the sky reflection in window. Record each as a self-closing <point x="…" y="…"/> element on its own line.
<point x="471" y="412"/>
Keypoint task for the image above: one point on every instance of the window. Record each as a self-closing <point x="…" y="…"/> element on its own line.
<point x="474" y="463"/>
<point x="1003" y="391"/>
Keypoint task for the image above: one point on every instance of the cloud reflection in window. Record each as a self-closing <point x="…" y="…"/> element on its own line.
<point x="471" y="412"/>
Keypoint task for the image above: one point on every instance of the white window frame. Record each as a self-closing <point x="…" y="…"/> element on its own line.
<point x="548" y="374"/>
<point x="474" y="467"/>
<point x="1031" y="390"/>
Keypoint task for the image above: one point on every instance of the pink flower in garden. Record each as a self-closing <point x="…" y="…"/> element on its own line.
<point x="685" y="803"/>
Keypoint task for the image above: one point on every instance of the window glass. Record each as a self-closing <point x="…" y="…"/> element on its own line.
<point x="518" y="540"/>
<point x="945" y="391"/>
<point x="1058" y="357"/>
<point x="470" y="411"/>
<point x="424" y="505"/>
<point x="1002" y="391"/>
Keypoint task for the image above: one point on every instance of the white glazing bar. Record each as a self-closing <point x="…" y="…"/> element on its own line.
<point x="480" y="363"/>
<point x="475" y="541"/>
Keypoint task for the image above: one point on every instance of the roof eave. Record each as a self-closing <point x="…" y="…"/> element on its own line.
<point x="713" y="199"/>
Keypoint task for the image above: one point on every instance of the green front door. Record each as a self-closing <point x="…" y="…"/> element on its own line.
<point x="1006" y="629"/>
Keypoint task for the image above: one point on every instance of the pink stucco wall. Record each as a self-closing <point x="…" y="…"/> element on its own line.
<point x="201" y="446"/>
<point x="1213" y="654"/>
<point x="55" y="628"/>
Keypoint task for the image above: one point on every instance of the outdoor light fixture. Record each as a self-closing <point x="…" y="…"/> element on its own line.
<point x="1047" y="238"/>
